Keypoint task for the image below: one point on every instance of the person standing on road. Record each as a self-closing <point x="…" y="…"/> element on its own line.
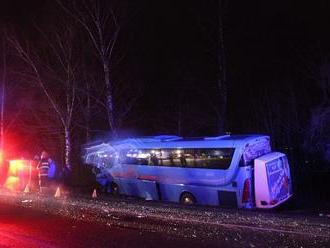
<point x="43" y="169"/>
<point x="34" y="173"/>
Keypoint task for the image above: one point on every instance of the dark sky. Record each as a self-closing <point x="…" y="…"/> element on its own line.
<point x="20" y="12"/>
<point x="260" y="34"/>
<point x="171" y="48"/>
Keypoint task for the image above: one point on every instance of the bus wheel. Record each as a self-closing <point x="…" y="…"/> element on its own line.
<point x="114" y="189"/>
<point x="187" y="199"/>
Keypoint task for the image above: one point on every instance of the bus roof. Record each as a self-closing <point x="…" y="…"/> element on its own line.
<point x="172" y="141"/>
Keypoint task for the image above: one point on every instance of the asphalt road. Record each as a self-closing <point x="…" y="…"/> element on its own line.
<point x="21" y="227"/>
<point x="34" y="221"/>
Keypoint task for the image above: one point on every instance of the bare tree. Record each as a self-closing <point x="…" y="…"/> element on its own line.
<point x="54" y="68"/>
<point x="91" y="102"/>
<point x="213" y="30"/>
<point x="319" y="130"/>
<point x="314" y="66"/>
<point x="101" y="22"/>
<point x="222" y="75"/>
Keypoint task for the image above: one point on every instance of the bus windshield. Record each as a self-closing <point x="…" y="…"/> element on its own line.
<point x="208" y="158"/>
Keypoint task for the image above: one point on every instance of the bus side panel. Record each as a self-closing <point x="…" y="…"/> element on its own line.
<point x="150" y="184"/>
<point x="126" y="178"/>
<point x="170" y="192"/>
<point x="129" y="187"/>
<point x="168" y="183"/>
<point x="147" y="180"/>
<point x="203" y="195"/>
<point x="149" y="190"/>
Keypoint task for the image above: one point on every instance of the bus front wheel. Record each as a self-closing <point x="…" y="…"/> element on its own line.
<point x="187" y="199"/>
<point x="114" y="189"/>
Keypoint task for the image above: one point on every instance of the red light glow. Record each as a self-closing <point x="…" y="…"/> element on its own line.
<point x="19" y="174"/>
<point x="12" y="183"/>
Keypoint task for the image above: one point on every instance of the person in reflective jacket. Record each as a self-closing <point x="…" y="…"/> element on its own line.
<point x="43" y="169"/>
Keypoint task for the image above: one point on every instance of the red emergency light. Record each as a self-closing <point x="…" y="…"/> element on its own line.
<point x="20" y="173"/>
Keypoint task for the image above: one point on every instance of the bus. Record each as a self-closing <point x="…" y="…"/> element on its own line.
<point x="229" y="170"/>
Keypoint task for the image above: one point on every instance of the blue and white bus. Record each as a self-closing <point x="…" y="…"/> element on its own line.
<point x="230" y="170"/>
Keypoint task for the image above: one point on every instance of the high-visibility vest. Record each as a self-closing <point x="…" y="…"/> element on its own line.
<point x="43" y="167"/>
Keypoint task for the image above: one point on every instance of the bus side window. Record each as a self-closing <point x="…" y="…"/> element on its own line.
<point x="183" y="160"/>
<point x="171" y="158"/>
<point x="200" y="158"/>
<point x="209" y="158"/>
<point x="190" y="160"/>
<point x="153" y="160"/>
<point x="165" y="157"/>
<point x="179" y="159"/>
<point x="131" y="157"/>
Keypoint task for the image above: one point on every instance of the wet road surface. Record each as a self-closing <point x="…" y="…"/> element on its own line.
<point x="34" y="221"/>
<point x="21" y="227"/>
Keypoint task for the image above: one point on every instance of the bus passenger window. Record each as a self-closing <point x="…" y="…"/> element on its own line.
<point x="171" y="158"/>
<point x="183" y="160"/>
<point x="209" y="158"/>
<point x="153" y="160"/>
<point x="189" y="155"/>
<point x="137" y="157"/>
<point x="167" y="158"/>
<point x="220" y="158"/>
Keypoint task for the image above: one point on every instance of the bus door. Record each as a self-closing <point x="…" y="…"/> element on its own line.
<point x="148" y="182"/>
<point x="125" y="176"/>
<point x="137" y="177"/>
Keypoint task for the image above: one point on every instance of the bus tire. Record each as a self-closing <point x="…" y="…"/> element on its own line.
<point x="187" y="199"/>
<point x="114" y="189"/>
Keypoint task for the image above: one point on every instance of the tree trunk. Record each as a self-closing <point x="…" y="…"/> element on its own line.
<point x="109" y="98"/>
<point x="67" y="137"/>
<point x="88" y="110"/>
<point x="222" y="78"/>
